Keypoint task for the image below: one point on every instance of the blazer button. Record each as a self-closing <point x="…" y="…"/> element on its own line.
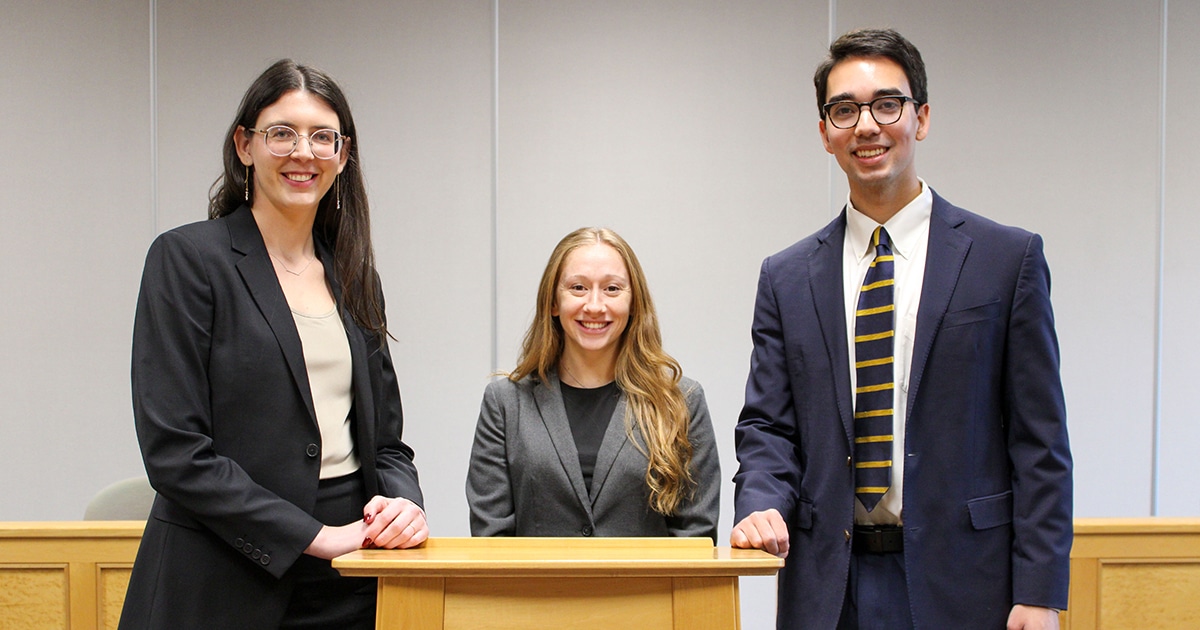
<point x="847" y="462"/>
<point x="256" y="554"/>
<point x="586" y="531"/>
<point x="238" y="543"/>
<point x="312" y="450"/>
<point x="847" y="533"/>
<point x="247" y="547"/>
<point x="265" y="559"/>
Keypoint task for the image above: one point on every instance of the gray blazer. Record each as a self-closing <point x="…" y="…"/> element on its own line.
<point x="525" y="480"/>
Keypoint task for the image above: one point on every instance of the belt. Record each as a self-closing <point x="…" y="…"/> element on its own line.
<point x="878" y="539"/>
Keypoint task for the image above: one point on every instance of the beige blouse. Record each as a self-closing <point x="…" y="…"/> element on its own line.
<point x="330" y="377"/>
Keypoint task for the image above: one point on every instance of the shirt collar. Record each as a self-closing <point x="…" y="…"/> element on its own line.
<point x="905" y="228"/>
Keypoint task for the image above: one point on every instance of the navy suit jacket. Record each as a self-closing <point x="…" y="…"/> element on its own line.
<point x="987" y="467"/>
<point x="228" y="432"/>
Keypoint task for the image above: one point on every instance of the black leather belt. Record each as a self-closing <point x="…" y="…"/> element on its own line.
<point x="878" y="539"/>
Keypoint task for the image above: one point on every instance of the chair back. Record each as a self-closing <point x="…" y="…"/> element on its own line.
<point x="126" y="500"/>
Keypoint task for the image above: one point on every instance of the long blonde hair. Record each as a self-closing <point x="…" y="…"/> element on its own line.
<point x="647" y="375"/>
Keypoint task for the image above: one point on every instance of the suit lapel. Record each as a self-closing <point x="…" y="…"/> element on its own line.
<point x="825" y="282"/>
<point x="944" y="259"/>
<point x="364" y="402"/>
<point x="615" y="438"/>
<point x="259" y="275"/>
<point x="553" y="412"/>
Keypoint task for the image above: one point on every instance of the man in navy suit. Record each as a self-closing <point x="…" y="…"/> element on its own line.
<point x="967" y="523"/>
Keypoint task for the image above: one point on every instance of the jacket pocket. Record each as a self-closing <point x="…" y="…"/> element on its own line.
<point x="965" y="316"/>
<point x="991" y="511"/>
<point x="804" y="514"/>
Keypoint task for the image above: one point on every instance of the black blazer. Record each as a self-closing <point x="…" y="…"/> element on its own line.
<point x="228" y="433"/>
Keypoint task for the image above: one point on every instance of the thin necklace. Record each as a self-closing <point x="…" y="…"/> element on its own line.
<point x="576" y="378"/>
<point x="285" y="268"/>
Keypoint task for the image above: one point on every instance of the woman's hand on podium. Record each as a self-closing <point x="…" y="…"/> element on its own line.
<point x="387" y="523"/>
<point x="332" y="541"/>
<point x="394" y="523"/>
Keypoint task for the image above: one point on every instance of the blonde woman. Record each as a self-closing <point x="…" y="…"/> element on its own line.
<point x="596" y="432"/>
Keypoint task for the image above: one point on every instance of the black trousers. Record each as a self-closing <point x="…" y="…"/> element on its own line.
<point x="321" y="597"/>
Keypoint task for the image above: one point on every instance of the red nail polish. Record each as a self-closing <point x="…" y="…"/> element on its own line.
<point x="368" y="518"/>
<point x="366" y="542"/>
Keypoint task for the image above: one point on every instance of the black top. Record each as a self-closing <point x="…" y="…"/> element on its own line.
<point x="589" y="412"/>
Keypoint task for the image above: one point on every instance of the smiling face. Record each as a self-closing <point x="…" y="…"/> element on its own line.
<point x="592" y="304"/>
<point x="295" y="183"/>
<point x="879" y="160"/>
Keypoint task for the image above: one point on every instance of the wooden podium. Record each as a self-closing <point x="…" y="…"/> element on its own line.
<point x="561" y="583"/>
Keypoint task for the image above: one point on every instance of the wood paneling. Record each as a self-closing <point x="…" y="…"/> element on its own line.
<point x="113" y="581"/>
<point x="65" y="574"/>
<point x="1150" y="594"/>
<point x="33" y="596"/>
<point x="1135" y="573"/>
<point x="564" y="603"/>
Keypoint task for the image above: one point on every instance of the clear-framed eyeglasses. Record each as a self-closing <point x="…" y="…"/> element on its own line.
<point x="282" y="141"/>
<point x="886" y="110"/>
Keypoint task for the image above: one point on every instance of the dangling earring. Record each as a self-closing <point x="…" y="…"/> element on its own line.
<point x="338" y="191"/>
<point x="247" y="183"/>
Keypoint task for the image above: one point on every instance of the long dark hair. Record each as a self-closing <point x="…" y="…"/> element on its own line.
<point x="345" y="230"/>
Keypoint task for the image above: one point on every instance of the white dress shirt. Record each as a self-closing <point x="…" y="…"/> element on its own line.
<point x="909" y="232"/>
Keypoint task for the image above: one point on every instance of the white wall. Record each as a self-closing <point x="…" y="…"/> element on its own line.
<point x="489" y="130"/>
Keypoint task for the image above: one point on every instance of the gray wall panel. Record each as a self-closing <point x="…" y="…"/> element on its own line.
<point x="431" y="190"/>
<point x="1178" y="464"/>
<point x="75" y="94"/>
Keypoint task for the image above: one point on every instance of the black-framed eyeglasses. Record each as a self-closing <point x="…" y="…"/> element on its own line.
<point x="886" y="110"/>
<point x="282" y="141"/>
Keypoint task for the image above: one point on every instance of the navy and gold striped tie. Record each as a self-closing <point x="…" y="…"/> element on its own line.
<point x="874" y="333"/>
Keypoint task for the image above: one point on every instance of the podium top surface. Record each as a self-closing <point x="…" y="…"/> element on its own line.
<point x="559" y="557"/>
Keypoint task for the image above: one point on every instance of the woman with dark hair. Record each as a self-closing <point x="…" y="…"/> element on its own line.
<point x="265" y="400"/>
<point x="596" y="432"/>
